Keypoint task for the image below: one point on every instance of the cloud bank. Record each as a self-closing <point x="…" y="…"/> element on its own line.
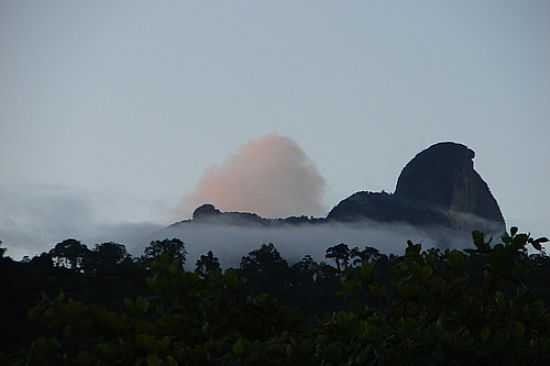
<point x="33" y="218"/>
<point x="230" y="242"/>
<point x="270" y="176"/>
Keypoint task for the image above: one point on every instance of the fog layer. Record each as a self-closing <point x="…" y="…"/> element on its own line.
<point x="231" y="242"/>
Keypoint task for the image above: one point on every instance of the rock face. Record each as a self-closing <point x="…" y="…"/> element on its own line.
<point x="439" y="186"/>
<point x="444" y="176"/>
<point x="386" y="207"/>
<point x="205" y="211"/>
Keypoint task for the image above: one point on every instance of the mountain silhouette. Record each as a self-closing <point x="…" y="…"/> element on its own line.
<point x="439" y="187"/>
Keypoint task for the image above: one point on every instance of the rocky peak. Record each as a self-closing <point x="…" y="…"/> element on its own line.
<point x="205" y="211"/>
<point x="439" y="186"/>
<point x="443" y="176"/>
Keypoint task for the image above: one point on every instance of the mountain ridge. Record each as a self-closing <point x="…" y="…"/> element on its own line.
<point x="438" y="187"/>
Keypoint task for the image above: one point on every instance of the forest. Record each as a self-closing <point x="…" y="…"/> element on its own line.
<point x="73" y="305"/>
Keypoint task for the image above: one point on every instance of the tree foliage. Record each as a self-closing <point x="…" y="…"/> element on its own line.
<point x="484" y="305"/>
<point x="166" y="250"/>
<point x="208" y="265"/>
<point x="69" y="253"/>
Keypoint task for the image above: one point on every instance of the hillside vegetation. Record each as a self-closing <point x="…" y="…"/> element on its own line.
<point x="76" y="306"/>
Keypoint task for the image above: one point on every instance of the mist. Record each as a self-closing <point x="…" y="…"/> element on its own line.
<point x="230" y="242"/>
<point x="270" y="176"/>
<point x="35" y="217"/>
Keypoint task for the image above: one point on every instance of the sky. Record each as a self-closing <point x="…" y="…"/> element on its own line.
<point x="112" y="111"/>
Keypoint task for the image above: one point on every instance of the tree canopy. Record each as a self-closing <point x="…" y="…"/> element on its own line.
<point x="485" y="305"/>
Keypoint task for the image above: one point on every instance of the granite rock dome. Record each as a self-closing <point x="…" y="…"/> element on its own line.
<point x="439" y="186"/>
<point x="444" y="176"/>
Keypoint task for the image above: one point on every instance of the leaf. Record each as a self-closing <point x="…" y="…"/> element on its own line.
<point x="519" y="329"/>
<point x="536" y="243"/>
<point x="456" y="258"/>
<point x="170" y="361"/>
<point x="479" y="240"/>
<point x="485" y="333"/>
<point x="413" y="250"/>
<point x="153" y="360"/>
<point x="239" y="347"/>
<point x="520" y="241"/>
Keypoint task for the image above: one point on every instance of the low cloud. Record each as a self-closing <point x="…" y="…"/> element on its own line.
<point x="231" y="242"/>
<point x="33" y="218"/>
<point x="270" y="176"/>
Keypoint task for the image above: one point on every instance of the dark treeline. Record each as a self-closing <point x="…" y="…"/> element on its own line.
<point x="79" y="306"/>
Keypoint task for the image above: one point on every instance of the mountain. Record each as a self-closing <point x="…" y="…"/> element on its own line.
<point x="438" y="187"/>
<point x="209" y="214"/>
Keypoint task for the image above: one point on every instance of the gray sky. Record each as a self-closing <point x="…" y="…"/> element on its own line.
<point x="129" y="102"/>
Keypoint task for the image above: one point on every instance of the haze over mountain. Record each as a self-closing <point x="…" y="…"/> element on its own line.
<point x="439" y="200"/>
<point x="119" y="109"/>
<point x="275" y="182"/>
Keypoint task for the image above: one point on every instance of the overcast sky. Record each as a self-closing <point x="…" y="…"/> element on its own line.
<point x="129" y="102"/>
